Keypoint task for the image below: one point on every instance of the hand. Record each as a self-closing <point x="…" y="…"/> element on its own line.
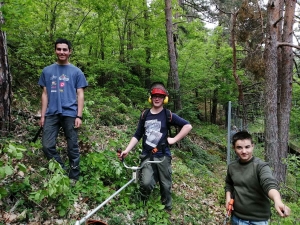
<point x="171" y="141"/>
<point x="42" y="121"/>
<point x="229" y="206"/>
<point x="121" y="155"/>
<point x="78" y="123"/>
<point x="282" y="209"/>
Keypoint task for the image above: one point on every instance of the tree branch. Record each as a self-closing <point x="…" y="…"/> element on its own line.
<point x="279" y="44"/>
<point x="275" y="24"/>
<point x="222" y="10"/>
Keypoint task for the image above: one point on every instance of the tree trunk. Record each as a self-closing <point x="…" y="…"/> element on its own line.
<point x="237" y="79"/>
<point x="214" y="109"/>
<point x="147" y="80"/>
<point x="5" y="85"/>
<point x="173" y="74"/>
<point x="278" y="89"/>
<point x="122" y="44"/>
<point x="271" y="74"/>
<point x="205" y="109"/>
<point x="285" y="78"/>
<point x="102" y="44"/>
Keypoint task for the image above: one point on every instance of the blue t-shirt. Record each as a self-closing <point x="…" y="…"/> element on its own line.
<point x="155" y="131"/>
<point x="62" y="82"/>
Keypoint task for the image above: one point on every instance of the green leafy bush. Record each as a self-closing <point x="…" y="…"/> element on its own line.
<point x="10" y="154"/>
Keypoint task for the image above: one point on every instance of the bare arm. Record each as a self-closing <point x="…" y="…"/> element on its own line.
<point x="80" y="102"/>
<point x="183" y="132"/>
<point x="44" y="105"/>
<point x="280" y="207"/>
<point x="129" y="147"/>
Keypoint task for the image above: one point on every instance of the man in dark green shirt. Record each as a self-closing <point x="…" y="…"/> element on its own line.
<point x="252" y="184"/>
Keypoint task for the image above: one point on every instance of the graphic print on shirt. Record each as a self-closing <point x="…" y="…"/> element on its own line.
<point x="152" y="131"/>
<point x="53" y="83"/>
<point x="53" y="86"/>
<point x="62" y="79"/>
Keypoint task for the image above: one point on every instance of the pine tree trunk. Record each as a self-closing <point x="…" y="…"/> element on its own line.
<point x="278" y="88"/>
<point x="285" y="87"/>
<point x="271" y="75"/>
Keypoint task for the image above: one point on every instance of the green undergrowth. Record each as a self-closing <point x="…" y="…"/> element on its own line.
<point x="196" y="196"/>
<point x="38" y="190"/>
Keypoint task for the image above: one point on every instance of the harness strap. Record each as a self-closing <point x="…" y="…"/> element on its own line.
<point x="161" y="147"/>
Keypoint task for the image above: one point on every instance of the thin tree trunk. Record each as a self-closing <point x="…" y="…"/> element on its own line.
<point x="213" y="115"/>
<point x="234" y="68"/>
<point x="172" y="56"/>
<point x="147" y="79"/>
<point x="102" y="45"/>
<point x="205" y="109"/>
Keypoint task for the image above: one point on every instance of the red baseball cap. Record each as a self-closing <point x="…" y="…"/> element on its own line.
<point x="158" y="91"/>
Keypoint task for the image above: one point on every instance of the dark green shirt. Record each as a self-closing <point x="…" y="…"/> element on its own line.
<point x="250" y="183"/>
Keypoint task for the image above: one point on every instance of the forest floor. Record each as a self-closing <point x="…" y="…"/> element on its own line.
<point x="195" y="195"/>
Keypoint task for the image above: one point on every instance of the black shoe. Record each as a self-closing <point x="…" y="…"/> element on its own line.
<point x="168" y="210"/>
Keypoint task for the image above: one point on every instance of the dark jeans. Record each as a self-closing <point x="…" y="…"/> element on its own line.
<point x="50" y="132"/>
<point x="161" y="172"/>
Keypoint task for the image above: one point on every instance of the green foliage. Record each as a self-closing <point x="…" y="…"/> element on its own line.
<point x="295" y="115"/>
<point x="10" y="153"/>
<point x="190" y="113"/>
<point x="156" y="215"/>
<point x="294" y="218"/>
<point x="103" y="174"/>
<point x="110" y="45"/>
<point x="57" y="184"/>
<point x="13" y="151"/>
<point x="194" y="155"/>
<point x="208" y="68"/>
<point x="293" y="166"/>
<point x="103" y="113"/>
<point x="213" y="133"/>
<point x="99" y="169"/>
<point x="17" y="187"/>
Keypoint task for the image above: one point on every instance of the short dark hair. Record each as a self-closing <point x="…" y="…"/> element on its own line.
<point x="241" y="135"/>
<point x="63" y="41"/>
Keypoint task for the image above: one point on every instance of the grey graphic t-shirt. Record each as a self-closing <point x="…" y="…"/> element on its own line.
<point x="152" y="132"/>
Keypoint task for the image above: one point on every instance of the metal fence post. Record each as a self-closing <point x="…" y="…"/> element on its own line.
<point x="228" y="132"/>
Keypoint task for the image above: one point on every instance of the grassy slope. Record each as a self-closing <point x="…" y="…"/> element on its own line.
<point x="198" y="194"/>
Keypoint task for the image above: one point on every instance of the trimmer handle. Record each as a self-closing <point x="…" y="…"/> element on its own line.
<point x="230" y="206"/>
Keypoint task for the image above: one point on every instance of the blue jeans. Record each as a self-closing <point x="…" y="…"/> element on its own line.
<point x="161" y="172"/>
<point x="237" y="221"/>
<point x="50" y="133"/>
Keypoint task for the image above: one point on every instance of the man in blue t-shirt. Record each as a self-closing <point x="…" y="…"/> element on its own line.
<point x="62" y="105"/>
